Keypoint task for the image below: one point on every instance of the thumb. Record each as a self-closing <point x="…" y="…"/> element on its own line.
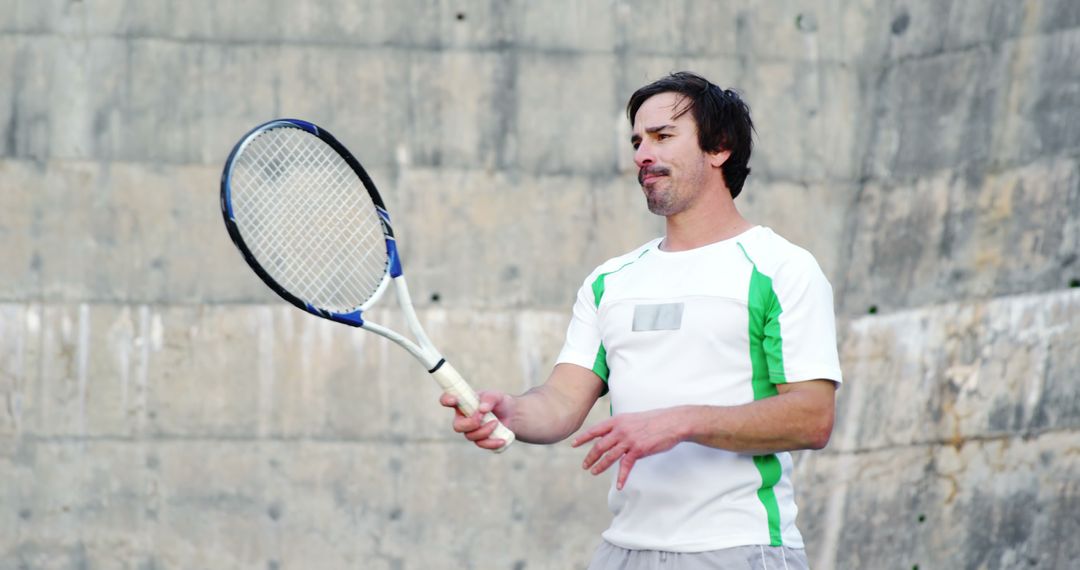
<point x="497" y="402"/>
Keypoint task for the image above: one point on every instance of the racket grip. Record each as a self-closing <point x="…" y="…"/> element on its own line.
<point x="452" y="383"/>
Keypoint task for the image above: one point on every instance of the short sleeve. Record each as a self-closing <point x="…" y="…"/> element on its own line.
<point x="807" y="323"/>
<point x="584" y="345"/>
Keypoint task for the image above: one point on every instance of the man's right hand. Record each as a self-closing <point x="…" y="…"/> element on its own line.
<point x="545" y="414"/>
<point x="473" y="427"/>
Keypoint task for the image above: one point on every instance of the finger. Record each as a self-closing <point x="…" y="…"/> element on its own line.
<point x="592" y="433"/>
<point x="608" y="459"/>
<point x="488" y="401"/>
<point x="625" y="466"/>
<point x="493" y="443"/>
<point x="466" y="424"/>
<point x="448" y="400"/>
<point x="598" y="450"/>
<point x="482" y="433"/>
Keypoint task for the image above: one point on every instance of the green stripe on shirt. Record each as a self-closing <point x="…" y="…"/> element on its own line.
<point x="767" y="361"/>
<point x="600" y="367"/>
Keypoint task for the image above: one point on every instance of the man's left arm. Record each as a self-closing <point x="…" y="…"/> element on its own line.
<point x="799" y="416"/>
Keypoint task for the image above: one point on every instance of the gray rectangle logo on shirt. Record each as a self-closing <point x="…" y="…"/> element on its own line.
<point x="664" y="317"/>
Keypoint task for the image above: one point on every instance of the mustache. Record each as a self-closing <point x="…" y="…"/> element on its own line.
<point x="652" y="170"/>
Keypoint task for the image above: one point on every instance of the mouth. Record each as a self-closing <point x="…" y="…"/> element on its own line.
<point x="651" y="174"/>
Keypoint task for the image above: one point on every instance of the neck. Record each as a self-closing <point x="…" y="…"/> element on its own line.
<point x="712" y="220"/>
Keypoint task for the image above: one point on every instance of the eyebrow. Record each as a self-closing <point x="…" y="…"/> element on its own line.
<point x="650" y="130"/>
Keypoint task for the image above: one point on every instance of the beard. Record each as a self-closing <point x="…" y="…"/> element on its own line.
<point x="660" y="196"/>
<point x="661" y="201"/>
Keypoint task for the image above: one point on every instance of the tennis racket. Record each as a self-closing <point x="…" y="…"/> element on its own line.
<point x="308" y="220"/>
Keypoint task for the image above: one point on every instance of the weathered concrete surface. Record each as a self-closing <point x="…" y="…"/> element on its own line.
<point x="995" y="503"/>
<point x="160" y="409"/>
<point x="246" y="371"/>
<point x="974" y="370"/>
<point x="956" y="443"/>
<point x="301" y="503"/>
<point x="965" y="233"/>
<point x="251" y="436"/>
<point x="142" y="233"/>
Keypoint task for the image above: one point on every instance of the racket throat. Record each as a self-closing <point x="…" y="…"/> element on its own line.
<point x="353" y="319"/>
<point x="438" y="365"/>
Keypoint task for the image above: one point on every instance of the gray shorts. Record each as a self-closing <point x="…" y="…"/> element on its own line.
<point x="611" y="557"/>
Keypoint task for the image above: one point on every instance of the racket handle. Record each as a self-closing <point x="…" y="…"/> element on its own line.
<point x="452" y="383"/>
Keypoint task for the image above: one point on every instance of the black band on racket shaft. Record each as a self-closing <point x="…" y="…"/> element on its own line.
<point x="352" y="319"/>
<point x="437" y="366"/>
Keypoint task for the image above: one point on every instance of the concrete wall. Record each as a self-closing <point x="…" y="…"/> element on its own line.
<point x="160" y="409"/>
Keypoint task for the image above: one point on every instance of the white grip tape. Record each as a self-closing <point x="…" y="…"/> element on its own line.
<point x="452" y="383"/>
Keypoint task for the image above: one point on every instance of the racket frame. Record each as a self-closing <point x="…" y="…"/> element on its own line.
<point x="354" y="317"/>
<point x="423" y="350"/>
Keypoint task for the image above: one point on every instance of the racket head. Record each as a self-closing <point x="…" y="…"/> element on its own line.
<point x="308" y="219"/>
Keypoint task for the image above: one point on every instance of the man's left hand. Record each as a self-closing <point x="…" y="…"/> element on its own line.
<point x="629" y="437"/>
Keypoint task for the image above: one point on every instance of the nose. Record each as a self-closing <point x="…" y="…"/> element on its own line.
<point x="643" y="156"/>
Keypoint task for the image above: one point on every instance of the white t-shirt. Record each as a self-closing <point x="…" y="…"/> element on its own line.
<point x="717" y="325"/>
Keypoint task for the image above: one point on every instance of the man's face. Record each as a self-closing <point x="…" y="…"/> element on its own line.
<point x="671" y="165"/>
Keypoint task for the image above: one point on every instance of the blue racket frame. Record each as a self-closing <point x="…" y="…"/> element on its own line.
<point x="394" y="269"/>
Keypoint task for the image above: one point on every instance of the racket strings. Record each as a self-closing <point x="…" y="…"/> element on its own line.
<point x="321" y="277"/>
<point x="307" y="219"/>
<point x="324" y="171"/>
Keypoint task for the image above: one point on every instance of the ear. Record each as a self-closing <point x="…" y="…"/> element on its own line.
<point x="718" y="158"/>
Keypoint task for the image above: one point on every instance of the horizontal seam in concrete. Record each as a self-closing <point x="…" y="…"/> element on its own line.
<point x="986" y="167"/>
<point x="501" y="46"/>
<point x="222" y="438"/>
<point x="971" y="47"/>
<point x="592" y="175"/>
<point x="903" y="313"/>
<point x="388" y="305"/>
<point x="531" y="309"/>
<point x="892" y="180"/>
<point x="957" y="443"/>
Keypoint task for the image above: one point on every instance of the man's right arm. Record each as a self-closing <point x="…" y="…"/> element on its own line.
<point x="545" y="414"/>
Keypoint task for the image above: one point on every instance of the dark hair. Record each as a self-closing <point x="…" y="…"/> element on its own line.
<point x="723" y="120"/>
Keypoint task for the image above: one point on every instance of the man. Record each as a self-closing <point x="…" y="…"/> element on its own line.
<point x="717" y="343"/>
